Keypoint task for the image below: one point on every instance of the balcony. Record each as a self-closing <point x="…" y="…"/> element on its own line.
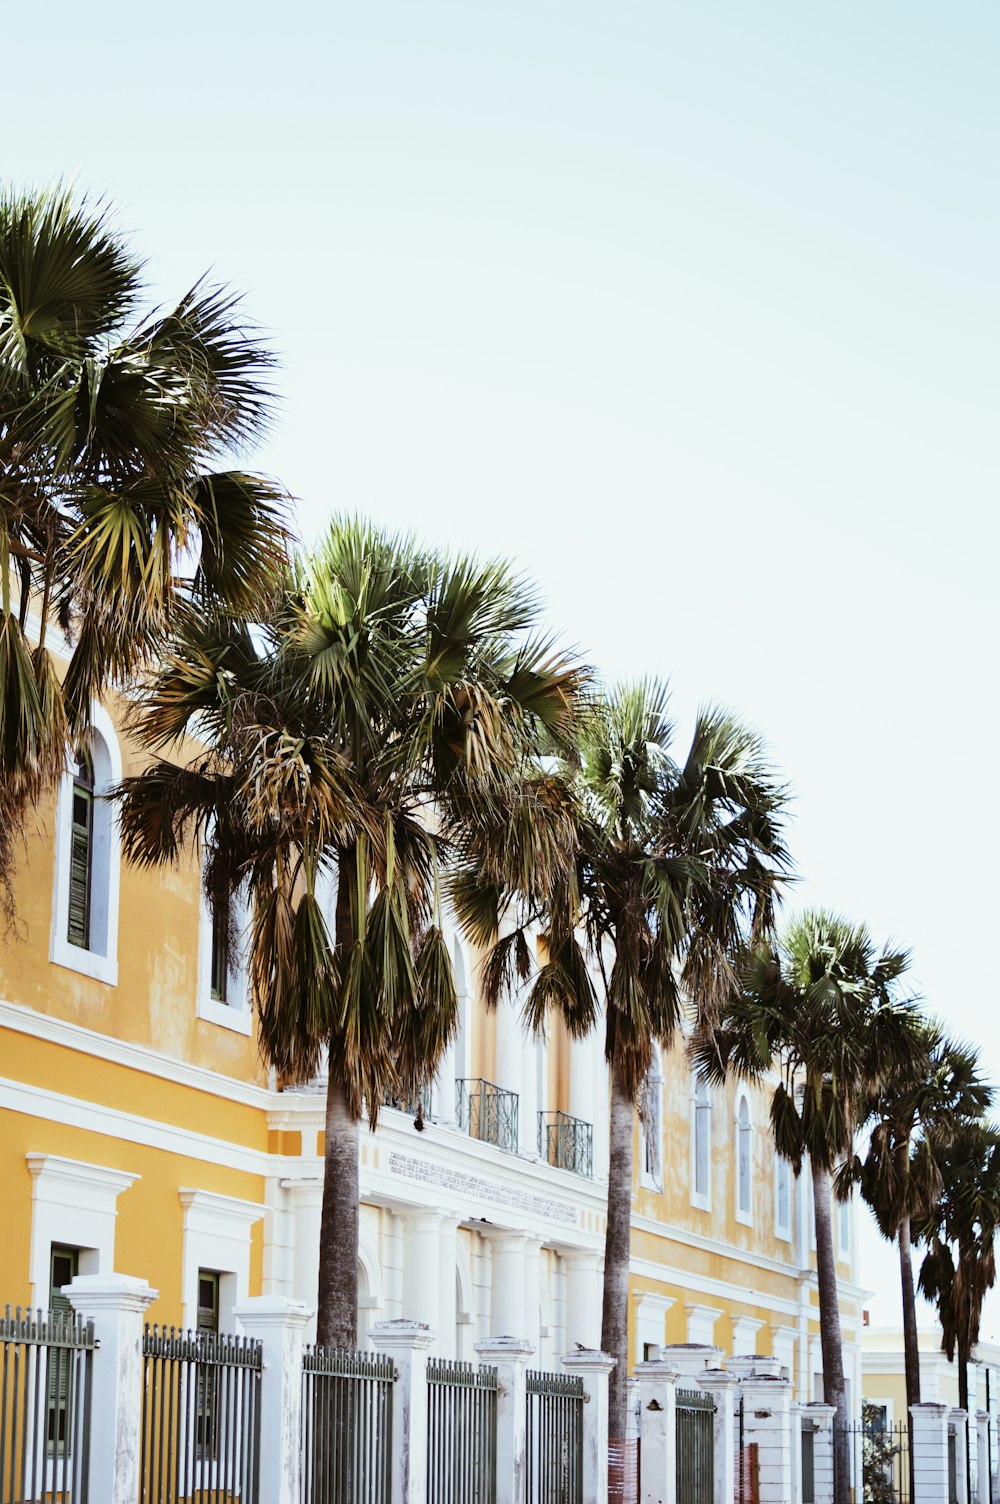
<point x="487" y="1112"/>
<point x="567" y="1143"/>
<point x="420" y="1105"/>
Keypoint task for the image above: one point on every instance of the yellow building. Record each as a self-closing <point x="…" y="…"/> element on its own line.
<point x="142" y="1134"/>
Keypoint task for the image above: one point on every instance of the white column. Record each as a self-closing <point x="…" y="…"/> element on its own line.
<point x="306" y="1197"/>
<point x="658" y="1432"/>
<point x="722" y="1386"/>
<point x="594" y="1366"/>
<point x="421" y="1271"/>
<point x="280" y="1326"/>
<point x="116" y="1304"/>
<point x="508" y="1308"/>
<point x="767" y="1425"/>
<point x="447" y="1309"/>
<point x="819" y="1417"/>
<point x="406" y="1343"/>
<point x="509" y="1355"/>
<point x="982" y="1456"/>
<point x="959" y="1419"/>
<point x="584" y="1277"/>
<point x="930" y="1453"/>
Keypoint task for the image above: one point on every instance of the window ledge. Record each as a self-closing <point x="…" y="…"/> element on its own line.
<point x="88" y="963"/>
<point x="745" y="1219"/>
<point x="701" y="1203"/>
<point x="236" y="1019"/>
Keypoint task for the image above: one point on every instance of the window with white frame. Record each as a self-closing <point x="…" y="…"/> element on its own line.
<point x="744" y="1160"/>
<point x="844" y="1227"/>
<point x="701" y="1142"/>
<point x="651" y="1125"/>
<point x="223" y="992"/>
<point x="782" y="1198"/>
<point x="86" y="878"/>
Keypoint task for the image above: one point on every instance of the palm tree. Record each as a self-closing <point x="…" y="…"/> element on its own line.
<point x="676" y="865"/>
<point x="114" y="513"/>
<point x="959" y="1267"/>
<point x="819" y="1010"/>
<point x="385" y="699"/>
<point x="923" y="1104"/>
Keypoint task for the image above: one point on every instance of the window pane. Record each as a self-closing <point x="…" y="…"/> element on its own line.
<point x="80" y="867"/>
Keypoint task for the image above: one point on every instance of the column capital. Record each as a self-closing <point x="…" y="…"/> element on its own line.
<point x="424" y="1218"/>
<point x="391" y="1336"/>
<point x="588" y="1360"/>
<point x="308" y="1190"/>
<point x="110" y="1292"/>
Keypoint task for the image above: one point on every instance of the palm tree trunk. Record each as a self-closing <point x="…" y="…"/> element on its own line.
<point x="337" y="1318"/>
<point x="614" y="1321"/>
<point x="834" y="1391"/>
<point x="911" y="1348"/>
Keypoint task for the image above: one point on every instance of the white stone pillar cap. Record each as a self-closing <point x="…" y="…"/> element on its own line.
<point x="495" y="1349"/>
<point x="656" y="1368"/>
<point x="690" y="1358"/>
<point x="401" y="1333"/>
<point x="982" y="1415"/>
<point x="957" y="1413"/>
<point x="273" y="1310"/>
<point x="817" y="1411"/>
<point x="110" y="1292"/>
<point x="758" y="1365"/>
<point x="717" y="1378"/>
<point x="929" y="1407"/>
<point x="588" y="1360"/>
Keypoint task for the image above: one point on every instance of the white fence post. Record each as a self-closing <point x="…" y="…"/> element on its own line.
<point x="959" y="1420"/>
<point x="767" y="1425"/>
<point x="657" y="1432"/>
<point x="279" y="1324"/>
<point x="983" y="1455"/>
<point x="594" y="1367"/>
<point x="116" y="1304"/>
<point x="722" y="1386"/>
<point x="406" y="1343"/>
<point x="930" y="1453"/>
<point x="510" y="1357"/>
<point x="820" y="1417"/>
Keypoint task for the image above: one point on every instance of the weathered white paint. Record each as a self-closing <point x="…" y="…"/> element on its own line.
<point x="767" y="1424"/>
<point x="982" y="1455"/>
<point x="690" y="1358"/>
<point x="819" y="1418"/>
<point x="959" y="1419"/>
<point x="595" y="1367"/>
<point x="723" y="1387"/>
<point x="509" y="1355"/>
<point x="930" y="1453"/>
<point x="407" y="1343"/>
<point x="116" y="1304"/>
<point x="279" y="1324"/>
<point x="584" y="1272"/>
<point x="657" y="1431"/>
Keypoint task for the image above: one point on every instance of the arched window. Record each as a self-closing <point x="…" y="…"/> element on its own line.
<point x="701" y="1143"/>
<point x="84" y="933"/>
<point x="744" y="1161"/>
<point x="651" y="1124"/>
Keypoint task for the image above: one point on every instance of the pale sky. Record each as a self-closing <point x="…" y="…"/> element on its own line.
<point x="692" y="309"/>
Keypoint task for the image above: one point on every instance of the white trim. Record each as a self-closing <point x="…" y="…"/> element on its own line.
<point x="742" y="1294"/>
<point x="700" y="1200"/>
<point x="73" y="1203"/>
<point x="235" y="1013"/>
<point x="783" y="1230"/>
<point x="745" y="1329"/>
<point x="135" y="1057"/>
<point x="216" y="1237"/>
<point x="101" y="961"/>
<point x="743" y="1216"/>
<point x="701" y="1323"/>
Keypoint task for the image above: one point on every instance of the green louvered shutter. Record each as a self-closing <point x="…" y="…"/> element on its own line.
<point x="81" y="852"/>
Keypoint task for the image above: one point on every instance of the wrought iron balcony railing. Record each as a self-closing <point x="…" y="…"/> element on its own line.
<point x="488" y="1112"/>
<point x="567" y="1143"/>
<point x="420" y="1105"/>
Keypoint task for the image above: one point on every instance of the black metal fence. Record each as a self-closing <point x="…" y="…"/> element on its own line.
<point x="45" y="1378"/>
<point x="554" y="1438"/>
<point x="487" y="1112"/>
<point x="346" y="1427"/>
<point x="461" y="1433"/>
<point x="695" y="1447"/>
<point x="200" y="1418"/>
<point x="879" y="1461"/>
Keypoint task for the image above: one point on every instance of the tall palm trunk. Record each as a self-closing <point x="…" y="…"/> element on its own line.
<point x="911" y="1348"/>
<point x="834" y="1391"/>
<point x="337" y="1318"/>
<point x="614" y="1321"/>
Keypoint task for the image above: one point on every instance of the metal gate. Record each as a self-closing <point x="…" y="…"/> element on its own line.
<point x="695" y="1447"/>
<point x="45" y="1377"/>
<point x="554" y="1440"/>
<point x="200" y="1418"/>
<point x="346" y="1427"/>
<point x="461" y="1433"/>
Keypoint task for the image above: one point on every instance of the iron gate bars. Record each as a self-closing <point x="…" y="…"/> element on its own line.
<point x="346" y="1426"/>
<point x="488" y="1112"/>
<point x="554" y="1438"/>
<point x="200" y="1417"/>
<point x="695" y="1447"/>
<point x="461" y="1433"/>
<point x="45" y="1381"/>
